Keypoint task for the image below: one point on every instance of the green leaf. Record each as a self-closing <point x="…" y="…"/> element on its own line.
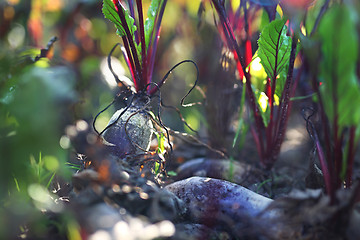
<point x="339" y="48"/>
<point x="161" y="143"/>
<point x="274" y="48"/>
<point x="263" y="104"/>
<point x="280" y="83"/>
<point x="312" y="14"/>
<point x="111" y="13"/>
<point x="150" y="20"/>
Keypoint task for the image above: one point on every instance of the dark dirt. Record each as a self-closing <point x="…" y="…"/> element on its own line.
<point x="124" y="199"/>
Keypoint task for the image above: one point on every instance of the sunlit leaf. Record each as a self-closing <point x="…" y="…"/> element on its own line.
<point x="280" y="83"/>
<point x="150" y="21"/>
<point x="274" y="53"/>
<point x="274" y="48"/>
<point x="112" y="13"/>
<point x="262" y="102"/>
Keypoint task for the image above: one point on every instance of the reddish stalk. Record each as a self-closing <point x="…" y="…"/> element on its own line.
<point x="350" y="157"/>
<point x="325" y="123"/>
<point x="131" y="43"/>
<point x="132" y="13"/>
<point x="325" y="170"/>
<point x="269" y="128"/>
<point x="284" y="106"/>
<point x="338" y="154"/>
<point x="143" y="46"/>
<point x="257" y="141"/>
<point x="330" y="168"/>
<point x="153" y="46"/>
<point x="233" y="45"/>
<point x="141" y="69"/>
<point x="129" y="59"/>
<point x="274" y="136"/>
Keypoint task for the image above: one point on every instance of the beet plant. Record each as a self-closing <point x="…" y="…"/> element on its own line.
<point x="130" y="129"/>
<point x="270" y="105"/>
<point x="334" y="79"/>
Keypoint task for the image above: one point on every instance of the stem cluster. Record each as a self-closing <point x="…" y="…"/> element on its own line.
<point x="268" y="138"/>
<point x="140" y="62"/>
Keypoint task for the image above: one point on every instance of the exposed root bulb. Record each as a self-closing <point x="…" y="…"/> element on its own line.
<point x="131" y="134"/>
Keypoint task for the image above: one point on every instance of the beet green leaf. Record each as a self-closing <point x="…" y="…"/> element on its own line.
<point x="274" y="48"/>
<point x="340" y="88"/>
<point x="111" y="12"/>
<point x="150" y="21"/>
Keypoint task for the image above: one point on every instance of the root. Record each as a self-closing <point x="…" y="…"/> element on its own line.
<point x="106" y="108"/>
<point x="44" y="52"/>
<point x="119" y="82"/>
<point x="185" y="137"/>
<point x="126" y="130"/>
<point x="145" y="108"/>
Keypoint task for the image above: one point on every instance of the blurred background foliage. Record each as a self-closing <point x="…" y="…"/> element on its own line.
<point x="38" y="100"/>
